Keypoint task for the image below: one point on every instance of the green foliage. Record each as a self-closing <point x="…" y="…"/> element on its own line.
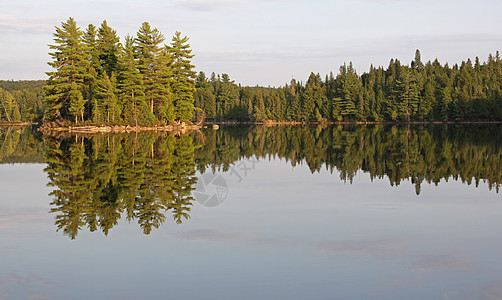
<point x="97" y="179"/>
<point x="412" y="152"/>
<point x="183" y="84"/>
<point x="156" y="83"/>
<point x="419" y="92"/>
<point x="65" y="88"/>
<point x="98" y="80"/>
<point x="21" y="145"/>
<point x="153" y="62"/>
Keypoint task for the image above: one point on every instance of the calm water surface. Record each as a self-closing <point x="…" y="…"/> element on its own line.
<point x="253" y="213"/>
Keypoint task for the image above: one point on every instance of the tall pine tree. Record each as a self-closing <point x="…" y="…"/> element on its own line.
<point x="183" y="83"/>
<point x="66" y="85"/>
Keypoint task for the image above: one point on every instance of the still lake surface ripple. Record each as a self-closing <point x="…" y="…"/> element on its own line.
<point x="329" y="212"/>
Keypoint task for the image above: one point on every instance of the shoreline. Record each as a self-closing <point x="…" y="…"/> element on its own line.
<point x="50" y="129"/>
<point x="92" y="129"/>
<point x="273" y="123"/>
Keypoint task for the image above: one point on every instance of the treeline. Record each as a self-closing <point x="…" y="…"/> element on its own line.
<point x="419" y="154"/>
<point x="98" y="79"/>
<point x="21" y="100"/>
<point x="400" y="93"/>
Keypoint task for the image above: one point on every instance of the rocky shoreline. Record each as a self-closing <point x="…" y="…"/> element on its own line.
<point x="90" y="129"/>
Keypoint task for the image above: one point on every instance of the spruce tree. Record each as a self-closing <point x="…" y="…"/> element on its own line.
<point x="417" y="62"/>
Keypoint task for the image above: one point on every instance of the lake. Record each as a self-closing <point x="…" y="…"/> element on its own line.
<point x="245" y="212"/>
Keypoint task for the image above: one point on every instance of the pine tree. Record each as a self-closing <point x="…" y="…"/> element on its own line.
<point x="107" y="108"/>
<point x="154" y="65"/>
<point x="108" y="48"/>
<point x="77" y="102"/>
<point x="66" y="85"/>
<point x="131" y="88"/>
<point x="90" y="40"/>
<point x="183" y="83"/>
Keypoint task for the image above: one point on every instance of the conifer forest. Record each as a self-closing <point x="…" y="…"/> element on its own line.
<point x="142" y="80"/>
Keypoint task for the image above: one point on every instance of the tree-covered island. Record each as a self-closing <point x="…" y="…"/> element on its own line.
<point x="98" y="80"/>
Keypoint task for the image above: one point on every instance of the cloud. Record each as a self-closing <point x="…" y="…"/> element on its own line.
<point x="382" y="247"/>
<point x="16" y="24"/>
<point x="491" y="291"/>
<point x="38" y="297"/>
<point x="16" y="279"/>
<point x="214" y="5"/>
<point x="222" y="5"/>
<point x="46" y="282"/>
<point x="441" y="262"/>
<point x="488" y="291"/>
<point x="36" y="218"/>
<point x="214" y="236"/>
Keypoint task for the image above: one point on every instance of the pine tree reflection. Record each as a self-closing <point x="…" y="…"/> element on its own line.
<point x="99" y="178"/>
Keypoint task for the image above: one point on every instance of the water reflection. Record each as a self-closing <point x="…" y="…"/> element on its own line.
<point x="97" y="179"/>
<point x="471" y="153"/>
<point x="20" y="145"/>
<point x="145" y="177"/>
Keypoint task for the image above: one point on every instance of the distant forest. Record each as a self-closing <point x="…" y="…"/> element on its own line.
<point x="399" y="93"/>
<point x="21" y="100"/>
<point x="99" y="80"/>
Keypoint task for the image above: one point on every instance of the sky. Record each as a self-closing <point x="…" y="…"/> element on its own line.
<point x="265" y="42"/>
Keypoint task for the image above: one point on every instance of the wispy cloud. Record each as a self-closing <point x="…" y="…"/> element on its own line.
<point x="13" y="23"/>
<point x="214" y="5"/>
<point x="442" y="262"/>
<point x="38" y="297"/>
<point x="23" y="219"/>
<point x="488" y="291"/>
<point x="382" y="247"/>
<point x="214" y="236"/>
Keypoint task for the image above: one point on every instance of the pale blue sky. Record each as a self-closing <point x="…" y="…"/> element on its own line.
<point x="266" y="42"/>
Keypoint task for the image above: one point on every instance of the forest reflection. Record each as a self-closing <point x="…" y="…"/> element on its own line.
<point x="98" y="179"/>
<point x="418" y="153"/>
<point x="145" y="178"/>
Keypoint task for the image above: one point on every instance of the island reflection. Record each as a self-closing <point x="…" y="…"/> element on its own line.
<point x="99" y="179"/>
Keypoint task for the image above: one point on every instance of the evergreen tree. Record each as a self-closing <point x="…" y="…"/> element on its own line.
<point x="66" y="85"/>
<point x="417" y="64"/>
<point x="183" y="83"/>
<point x="154" y="65"/>
<point x="131" y="88"/>
<point x="108" y="48"/>
<point x="107" y="105"/>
